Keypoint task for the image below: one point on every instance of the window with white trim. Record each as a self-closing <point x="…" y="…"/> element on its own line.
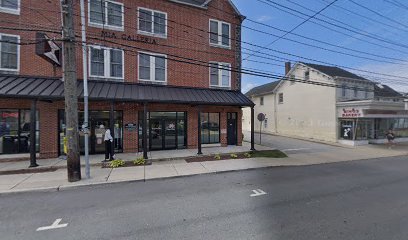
<point x="220" y="74"/>
<point x="106" y="62"/>
<point x="152" y="22"/>
<point x="107" y="14"/>
<point x="10" y="6"/>
<point x="220" y="33"/>
<point x="9" y="52"/>
<point x="152" y="67"/>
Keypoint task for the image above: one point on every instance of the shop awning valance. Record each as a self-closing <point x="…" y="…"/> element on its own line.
<point x="53" y="89"/>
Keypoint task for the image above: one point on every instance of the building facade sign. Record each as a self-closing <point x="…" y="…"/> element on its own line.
<point x="128" y="37"/>
<point x="350" y="113"/>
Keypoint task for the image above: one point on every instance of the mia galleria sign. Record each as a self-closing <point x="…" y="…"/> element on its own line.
<point x="127" y="37"/>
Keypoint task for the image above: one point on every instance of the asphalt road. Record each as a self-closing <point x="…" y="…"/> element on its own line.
<point x="350" y="200"/>
<point x="289" y="145"/>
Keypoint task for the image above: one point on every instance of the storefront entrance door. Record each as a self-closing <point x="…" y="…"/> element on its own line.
<point x="98" y="128"/>
<point x="162" y="134"/>
<point x="232" y="128"/>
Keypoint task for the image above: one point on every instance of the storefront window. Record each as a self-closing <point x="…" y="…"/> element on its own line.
<point x="398" y="125"/>
<point x="210" y="128"/>
<point x="98" y="122"/>
<point x="166" y="130"/>
<point x="357" y="129"/>
<point x="15" y="131"/>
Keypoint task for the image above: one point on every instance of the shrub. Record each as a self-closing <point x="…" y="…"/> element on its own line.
<point x="247" y="155"/>
<point x="139" y="161"/>
<point x="217" y="157"/>
<point x="233" y="155"/>
<point x="117" y="163"/>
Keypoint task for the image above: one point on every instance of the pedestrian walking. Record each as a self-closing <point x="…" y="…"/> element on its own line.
<point x="390" y="138"/>
<point x="108" y="145"/>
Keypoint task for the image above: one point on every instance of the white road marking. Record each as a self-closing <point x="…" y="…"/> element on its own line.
<point x="295" y="149"/>
<point x="257" y="192"/>
<point x="55" y="225"/>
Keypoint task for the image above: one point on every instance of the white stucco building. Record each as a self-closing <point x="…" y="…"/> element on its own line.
<point x="329" y="104"/>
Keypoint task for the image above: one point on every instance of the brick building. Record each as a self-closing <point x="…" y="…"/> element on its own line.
<point x="172" y="62"/>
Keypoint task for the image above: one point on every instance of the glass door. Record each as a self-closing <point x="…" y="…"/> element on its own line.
<point x="156" y="134"/>
<point x="170" y="134"/>
<point x="99" y="127"/>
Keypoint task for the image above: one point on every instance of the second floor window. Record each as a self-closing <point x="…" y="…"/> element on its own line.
<point x="261" y="102"/>
<point x="9" y="52"/>
<point x="355" y="92"/>
<point x="152" y="67"/>
<point x="108" y="14"/>
<point x="220" y="33"/>
<point x="106" y="62"/>
<point x="152" y="22"/>
<point x="220" y="74"/>
<point x="10" y="6"/>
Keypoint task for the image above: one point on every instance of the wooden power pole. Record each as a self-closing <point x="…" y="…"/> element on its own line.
<point x="70" y="91"/>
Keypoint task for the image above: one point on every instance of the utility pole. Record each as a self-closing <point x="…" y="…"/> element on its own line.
<point x="70" y="91"/>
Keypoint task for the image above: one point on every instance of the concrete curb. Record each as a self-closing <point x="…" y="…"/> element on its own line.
<point x="68" y="187"/>
<point x="305" y="139"/>
<point x="98" y="184"/>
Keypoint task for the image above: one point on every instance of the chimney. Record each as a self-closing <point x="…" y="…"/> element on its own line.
<point x="287" y="67"/>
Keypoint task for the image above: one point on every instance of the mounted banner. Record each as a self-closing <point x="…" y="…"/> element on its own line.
<point x="47" y="49"/>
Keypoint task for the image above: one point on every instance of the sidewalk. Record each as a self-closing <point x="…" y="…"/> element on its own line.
<point x="57" y="180"/>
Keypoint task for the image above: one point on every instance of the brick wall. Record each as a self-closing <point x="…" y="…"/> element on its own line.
<point x="189" y="43"/>
<point x="48" y="120"/>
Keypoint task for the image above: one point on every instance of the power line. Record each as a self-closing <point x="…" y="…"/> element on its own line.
<point x="396" y="3"/>
<point x="358" y="32"/>
<point x="297" y="26"/>
<point x="353" y="55"/>
<point x="367" y="17"/>
<point x="379" y="14"/>
<point x="365" y="71"/>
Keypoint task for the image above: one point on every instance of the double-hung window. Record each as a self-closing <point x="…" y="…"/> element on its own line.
<point x="152" y="22"/>
<point x="108" y="14"/>
<point x="10" y="6"/>
<point x="9" y="52"/>
<point x="220" y="33"/>
<point x="152" y="67"/>
<point x="106" y="62"/>
<point x="220" y="74"/>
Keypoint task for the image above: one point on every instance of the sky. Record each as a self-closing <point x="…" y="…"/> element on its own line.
<point x="378" y="33"/>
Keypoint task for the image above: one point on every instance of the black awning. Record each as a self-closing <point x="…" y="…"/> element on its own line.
<point x="53" y="88"/>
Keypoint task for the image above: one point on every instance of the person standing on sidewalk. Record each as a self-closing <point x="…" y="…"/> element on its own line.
<point x="390" y="138"/>
<point x="108" y="145"/>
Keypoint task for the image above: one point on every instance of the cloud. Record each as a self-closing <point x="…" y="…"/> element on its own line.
<point x="264" y="18"/>
<point x="400" y="85"/>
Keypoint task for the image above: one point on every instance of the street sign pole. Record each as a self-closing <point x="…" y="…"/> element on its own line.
<point x="85" y="126"/>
